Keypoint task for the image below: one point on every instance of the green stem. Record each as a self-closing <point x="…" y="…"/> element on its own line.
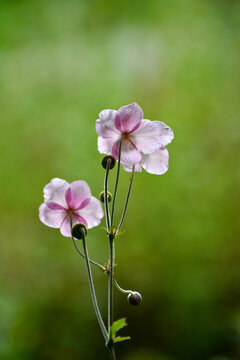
<point x="127" y="199"/>
<point x="121" y="289"/>
<point x="102" y="268"/>
<point x="91" y="285"/>
<point x="110" y="285"/>
<point x="110" y="296"/>
<point x="92" y="290"/>
<point x="112" y="352"/>
<point x="106" y="206"/>
<point x="117" y="177"/>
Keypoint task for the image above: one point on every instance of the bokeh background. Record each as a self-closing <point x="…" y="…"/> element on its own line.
<point x="61" y="63"/>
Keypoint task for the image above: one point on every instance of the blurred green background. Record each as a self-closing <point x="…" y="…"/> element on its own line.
<point x="61" y="63"/>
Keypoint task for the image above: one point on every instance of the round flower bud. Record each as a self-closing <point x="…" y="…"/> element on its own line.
<point x="102" y="196"/>
<point x="105" y="161"/>
<point x="79" y="230"/>
<point x="135" y="298"/>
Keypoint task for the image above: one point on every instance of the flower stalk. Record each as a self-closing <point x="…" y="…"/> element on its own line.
<point x="106" y="206"/>
<point x="91" y="284"/>
<point x="127" y="199"/>
<point x="119" y="287"/>
<point x="117" y="178"/>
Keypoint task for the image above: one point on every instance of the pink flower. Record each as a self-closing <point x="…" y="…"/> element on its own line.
<point x="60" y="198"/>
<point x="156" y="162"/>
<point x="140" y="138"/>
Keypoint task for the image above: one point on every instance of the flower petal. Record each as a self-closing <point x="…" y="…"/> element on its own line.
<point x="50" y="215"/>
<point x="128" y="118"/>
<point x="157" y="162"/>
<point x="105" y="126"/>
<point x="138" y="167"/>
<point x="92" y="213"/>
<point x="76" y="194"/>
<point x="65" y="226"/>
<point x="105" y="145"/>
<point x="166" y="133"/>
<point x="129" y="153"/>
<point x="55" y="191"/>
<point x="147" y="137"/>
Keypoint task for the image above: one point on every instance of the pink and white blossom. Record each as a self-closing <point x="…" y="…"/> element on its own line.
<point x="143" y="141"/>
<point x="154" y="163"/>
<point x="60" y="198"/>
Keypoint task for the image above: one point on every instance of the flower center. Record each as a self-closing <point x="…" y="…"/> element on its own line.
<point x="125" y="135"/>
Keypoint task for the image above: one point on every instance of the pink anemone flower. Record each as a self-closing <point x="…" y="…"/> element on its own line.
<point x="157" y="161"/>
<point x="154" y="163"/>
<point x="60" y="198"/>
<point x="139" y="136"/>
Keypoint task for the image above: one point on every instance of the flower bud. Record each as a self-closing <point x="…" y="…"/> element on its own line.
<point x="105" y="161"/>
<point x="102" y="196"/>
<point x="135" y="298"/>
<point x="79" y="230"/>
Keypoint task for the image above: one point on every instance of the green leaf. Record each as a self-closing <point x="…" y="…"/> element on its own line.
<point x="121" y="338"/>
<point x="116" y="326"/>
<point x="120" y="233"/>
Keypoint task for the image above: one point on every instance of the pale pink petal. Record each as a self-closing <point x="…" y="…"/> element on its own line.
<point x="55" y="191"/>
<point x="138" y="167"/>
<point x="92" y="213"/>
<point x="65" y="226"/>
<point x="105" y="126"/>
<point x="166" y="133"/>
<point x="128" y="118"/>
<point x="157" y="162"/>
<point x="105" y="145"/>
<point x="52" y="214"/>
<point x="129" y="153"/>
<point x="147" y="137"/>
<point x="76" y="194"/>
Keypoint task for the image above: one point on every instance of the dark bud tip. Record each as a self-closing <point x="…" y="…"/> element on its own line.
<point x="79" y="230"/>
<point x="108" y="159"/>
<point x="102" y="196"/>
<point x="134" y="298"/>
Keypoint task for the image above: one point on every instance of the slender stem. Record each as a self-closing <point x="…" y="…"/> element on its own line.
<point x="117" y="177"/>
<point x="121" y="289"/>
<point x="106" y="206"/>
<point x="91" y="261"/>
<point x="91" y="285"/>
<point x="110" y="285"/>
<point x="127" y="199"/>
<point x="101" y="268"/>
<point x="110" y="296"/>
<point x="112" y="353"/>
<point x="94" y="299"/>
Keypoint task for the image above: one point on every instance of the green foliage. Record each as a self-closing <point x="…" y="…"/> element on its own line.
<point x="116" y="326"/>
<point x="121" y="338"/>
<point x="61" y="63"/>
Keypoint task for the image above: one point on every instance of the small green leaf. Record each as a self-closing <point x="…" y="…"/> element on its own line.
<point x="116" y="326"/>
<point x="120" y="233"/>
<point x="121" y="338"/>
